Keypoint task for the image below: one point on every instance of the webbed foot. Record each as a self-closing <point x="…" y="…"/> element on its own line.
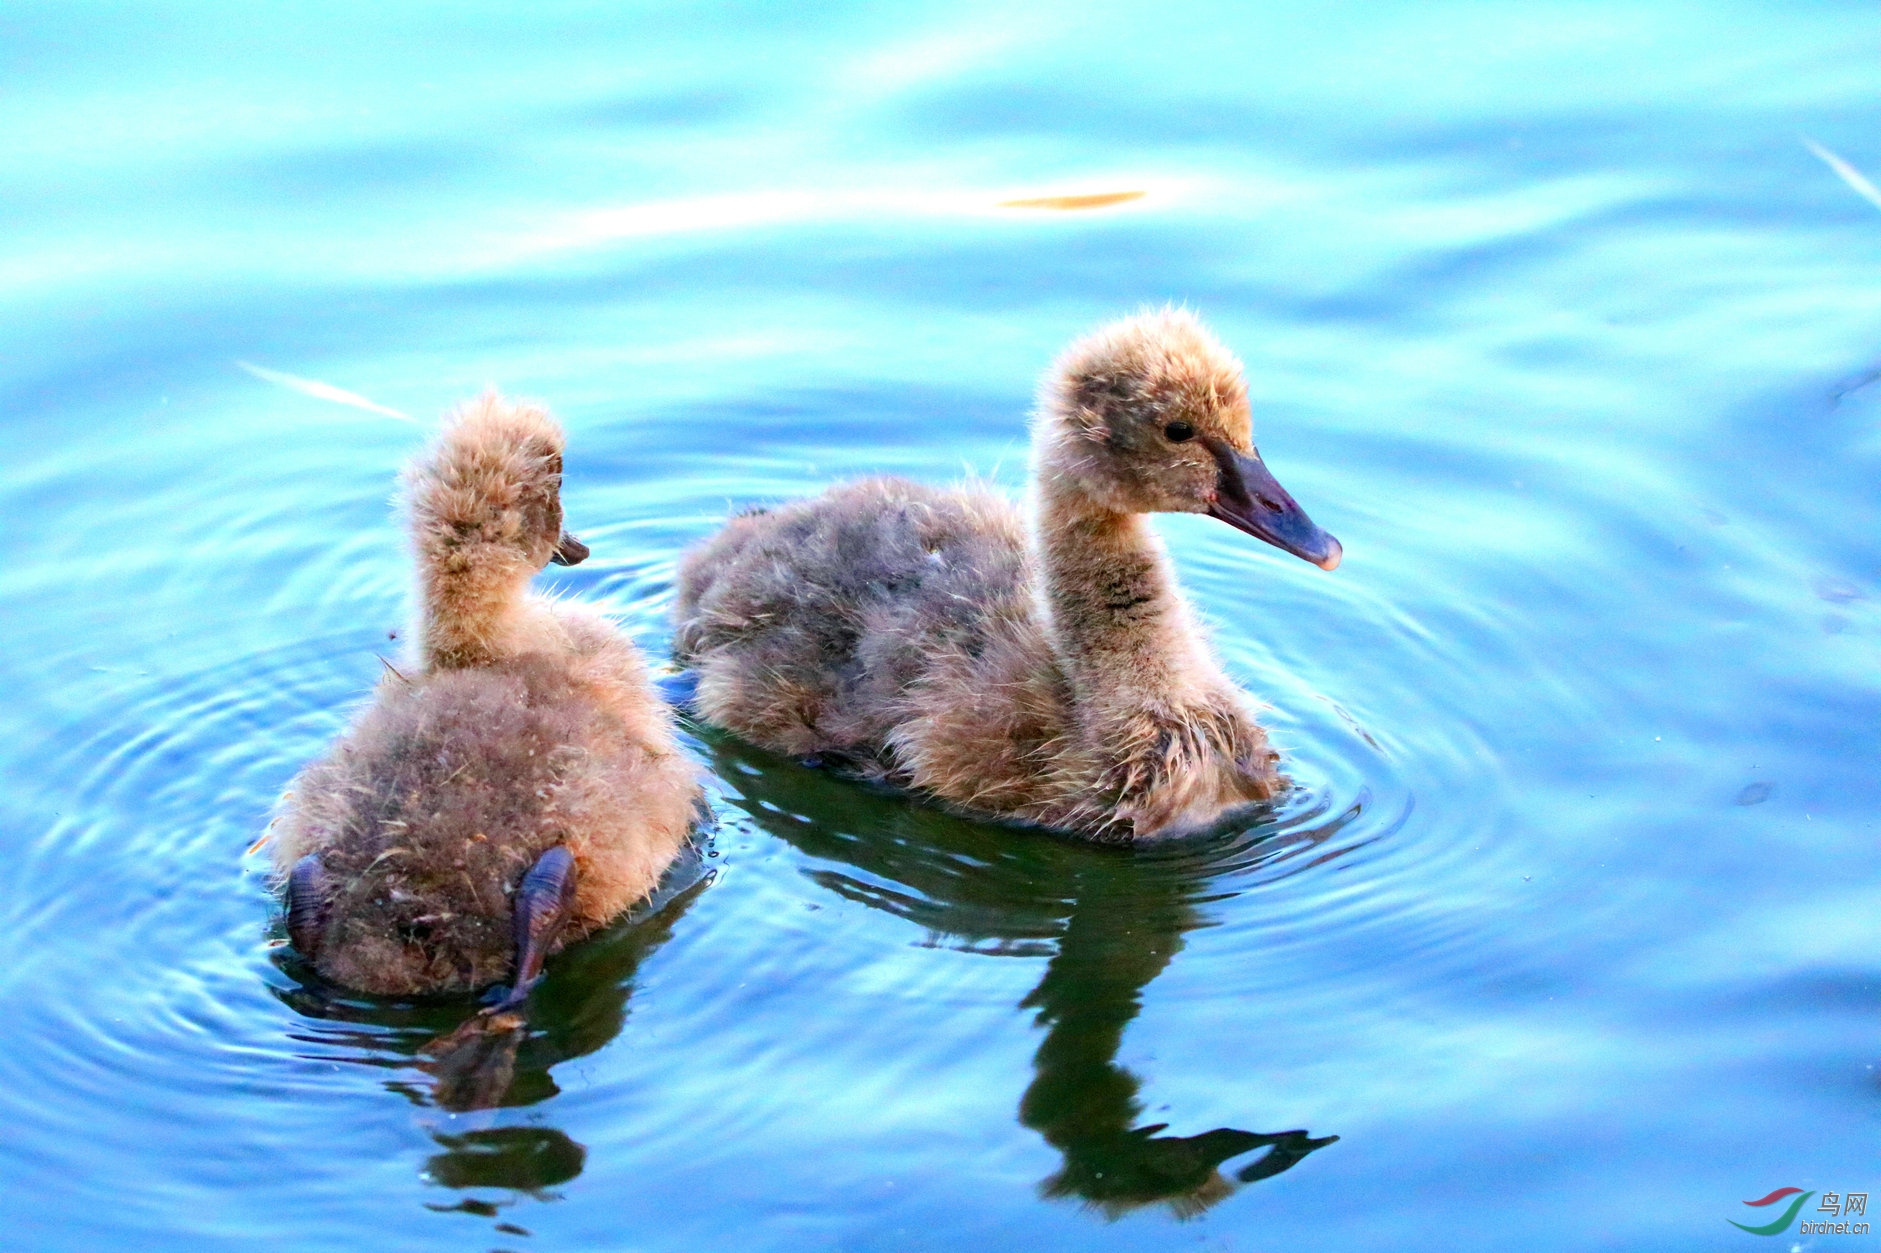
<point x="544" y="899"/>
<point x="307" y="905"/>
<point x="678" y="690"/>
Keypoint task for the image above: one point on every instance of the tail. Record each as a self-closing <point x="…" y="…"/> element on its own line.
<point x="486" y="514"/>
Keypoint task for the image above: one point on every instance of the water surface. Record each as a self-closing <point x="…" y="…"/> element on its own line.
<point x="1566" y="939"/>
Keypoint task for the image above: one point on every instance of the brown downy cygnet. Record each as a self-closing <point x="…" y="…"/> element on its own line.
<point x="1049" y="672"/>
<point x="518" y="784"/>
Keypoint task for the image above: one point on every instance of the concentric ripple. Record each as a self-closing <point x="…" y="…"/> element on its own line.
<point x="1563" y="938"/>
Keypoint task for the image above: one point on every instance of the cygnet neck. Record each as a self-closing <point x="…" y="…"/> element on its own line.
<point x="472" y="607"/>
<point x="1118" y="624"/>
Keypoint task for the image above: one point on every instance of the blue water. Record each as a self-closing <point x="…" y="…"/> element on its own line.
<point x="1569" y="935"/>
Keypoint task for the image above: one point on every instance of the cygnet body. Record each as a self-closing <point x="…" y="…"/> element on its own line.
<point x="514" y="785"/>
<point x="1046" y="671"/>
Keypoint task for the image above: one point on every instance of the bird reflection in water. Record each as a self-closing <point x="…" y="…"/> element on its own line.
<point x="476" y="1065"/>
<point x="1110" y="921"/>
<point x="1114" y="942"/>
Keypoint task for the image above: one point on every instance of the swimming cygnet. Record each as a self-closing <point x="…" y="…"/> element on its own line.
<point x="517" y="785"/>
<point x="1048" y="672"/>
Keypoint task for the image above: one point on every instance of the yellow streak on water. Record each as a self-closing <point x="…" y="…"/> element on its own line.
<point x="1092" y="200"/>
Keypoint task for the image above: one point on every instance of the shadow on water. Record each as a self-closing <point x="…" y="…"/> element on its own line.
<point x="580" y="1006"/>
<point x="1109" y="920"/>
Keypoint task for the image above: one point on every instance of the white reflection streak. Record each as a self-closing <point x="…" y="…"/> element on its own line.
<point x="790" y="207"/>
<point x="720" y="213"/>
<point x="321" y="391"/>
<point x="1848" y="173"/>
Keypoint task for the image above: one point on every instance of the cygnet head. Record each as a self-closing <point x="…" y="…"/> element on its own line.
<point x="490" y="491"/>
<point x="1150" y="415"/>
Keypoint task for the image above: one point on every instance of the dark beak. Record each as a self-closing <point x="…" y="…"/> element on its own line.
<point x="570" y="552"/>
<point x="1249" y="499"/>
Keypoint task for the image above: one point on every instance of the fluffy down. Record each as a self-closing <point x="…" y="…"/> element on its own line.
<point x="519" y="725"/>
<point x="1049" y="673"/>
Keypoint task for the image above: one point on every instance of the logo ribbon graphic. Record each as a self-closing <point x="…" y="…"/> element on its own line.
<point x="1788" y="1216"/>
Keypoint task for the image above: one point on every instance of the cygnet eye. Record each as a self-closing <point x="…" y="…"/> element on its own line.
<point x="1176" y="432"/>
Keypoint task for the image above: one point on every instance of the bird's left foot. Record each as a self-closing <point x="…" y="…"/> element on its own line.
<point x="678" y="690"/>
